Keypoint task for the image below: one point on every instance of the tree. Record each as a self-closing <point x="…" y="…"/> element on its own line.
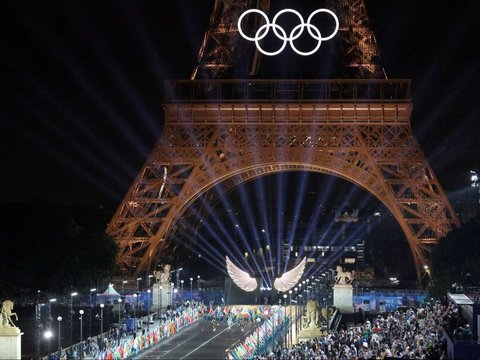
<point x="455" y="259"/>
<point x="52" y="248"/>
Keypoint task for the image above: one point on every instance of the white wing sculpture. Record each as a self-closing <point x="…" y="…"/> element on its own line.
<point x="240" y="277"/>
<point x="289" y="279"/>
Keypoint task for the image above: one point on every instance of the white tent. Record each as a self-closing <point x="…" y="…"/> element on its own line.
<point x="110" y="291"/>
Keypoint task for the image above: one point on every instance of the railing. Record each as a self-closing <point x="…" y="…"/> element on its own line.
<point x="341" y="90"/>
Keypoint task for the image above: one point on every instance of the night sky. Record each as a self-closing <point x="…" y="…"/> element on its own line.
<point x="81" y="87"/>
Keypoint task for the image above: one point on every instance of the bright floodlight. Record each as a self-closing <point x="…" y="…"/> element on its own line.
<point x="240" y="277"/>
<point x="48" y="334"/>
<point x="289" y="279"/>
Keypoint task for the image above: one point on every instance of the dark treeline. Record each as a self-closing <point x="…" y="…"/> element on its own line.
<point x="53" y="248"/>
<point x="456" y="260"/>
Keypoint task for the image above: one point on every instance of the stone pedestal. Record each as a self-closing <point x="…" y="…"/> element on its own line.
<point x="343" y="298"/>
<point x="161" y="296"/>
<point x="10" y="343"/>
<point x="309" y="333"/>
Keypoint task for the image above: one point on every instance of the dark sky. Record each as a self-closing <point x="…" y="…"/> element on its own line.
<point x="81" y="87"/>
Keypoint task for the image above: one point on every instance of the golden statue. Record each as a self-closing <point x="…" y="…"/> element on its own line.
<point x="312" y="317"/>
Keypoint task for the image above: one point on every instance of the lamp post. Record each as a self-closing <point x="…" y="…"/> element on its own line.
<point x="191" y="290"/>
<point x="135" y="296"/>
<point x="48" y="335"/>
<point x="172" y="287"/>
<point x="296" y="311"/>
<point x="326" y="307"/>
<point x="49" y="313"/>
<point x="285" y="318"/>
<point x="70" y="315"/>
<point x="198" y="282"/>
<point x="181" y="299"/>
<point x="175" y="291"/>
<point x="120" y="310"/>
<point x="81" y="333"/>
<point x="273" y="329"/>
<point x="258" y="335"/>
<point x="291" y="320"/>
<point x="301" y="310"/>
<point x="160" y="289"/>
<point x="149" y="303"/>
<point x="178" y="276"/>
<point x="59" y="319"/>
<point x="90" y="311"/>
<point x="138" y="284"/>
<point x="123" y="286"/>
<point x="148" y="309"/>
<point x="101" y="324"/>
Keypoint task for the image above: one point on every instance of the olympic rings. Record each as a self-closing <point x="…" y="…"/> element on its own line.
<point x="281" y="34"/>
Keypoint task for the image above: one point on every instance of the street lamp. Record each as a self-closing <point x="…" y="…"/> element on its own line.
<point x="138" y="281"/>
<point x="135" y="312"/>
<point x="48" y="335"/>
<point x="181" y="300"/>
<point x="328" y="320"/>
<point x="191" y="290"/>
<point x="90" y="308"/>
<point x="149" y="303"/>
<point x="178" y="275"/>
<point x="70" y="315"/>
<point x="123" y="286"/>
<point x="285" y="317"/>
<point x="59" y="319"/>
<point x="81" y="333"/>
<point x="171" y="292"/>
<point x="198" y="282"/>
<point x="258" y="335"/>
<point x="160" y="295"/>
<point x="101" y="324"/>
<point x="148" y="309"/>
<point x="49" y="314"/>
<point x="120" y="310"/>
<point x="291" y="320"/>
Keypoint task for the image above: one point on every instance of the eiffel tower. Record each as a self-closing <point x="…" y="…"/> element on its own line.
<point x="226" y="126"/>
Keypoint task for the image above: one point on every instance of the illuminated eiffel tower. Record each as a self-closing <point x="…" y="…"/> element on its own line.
<point x="224" y="126"/>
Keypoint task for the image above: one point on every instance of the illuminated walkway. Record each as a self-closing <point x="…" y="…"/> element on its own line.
<point x="198" y="341"/>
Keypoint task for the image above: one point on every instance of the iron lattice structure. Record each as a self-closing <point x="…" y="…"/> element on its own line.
<point x="228" y="132"/>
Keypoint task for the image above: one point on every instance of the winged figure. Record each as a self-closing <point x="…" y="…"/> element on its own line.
<point x="284" y="283"/>
<point x="240" y="277"/>
<point x="289" y="279"/>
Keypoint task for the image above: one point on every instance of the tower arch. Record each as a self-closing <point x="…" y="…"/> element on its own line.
<point x="210" y="138"/>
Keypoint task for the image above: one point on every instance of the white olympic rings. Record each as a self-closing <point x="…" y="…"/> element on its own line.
<point x="280" y="33"/>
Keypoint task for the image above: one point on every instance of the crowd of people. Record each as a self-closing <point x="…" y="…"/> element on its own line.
<point x="407" y="334"/>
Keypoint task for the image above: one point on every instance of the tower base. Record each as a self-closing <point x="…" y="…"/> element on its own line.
<point x="10" y="343"/>
<point x="161" y="297"/>
<point x="343" y="298"/>
<point x="309" y="334"/>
